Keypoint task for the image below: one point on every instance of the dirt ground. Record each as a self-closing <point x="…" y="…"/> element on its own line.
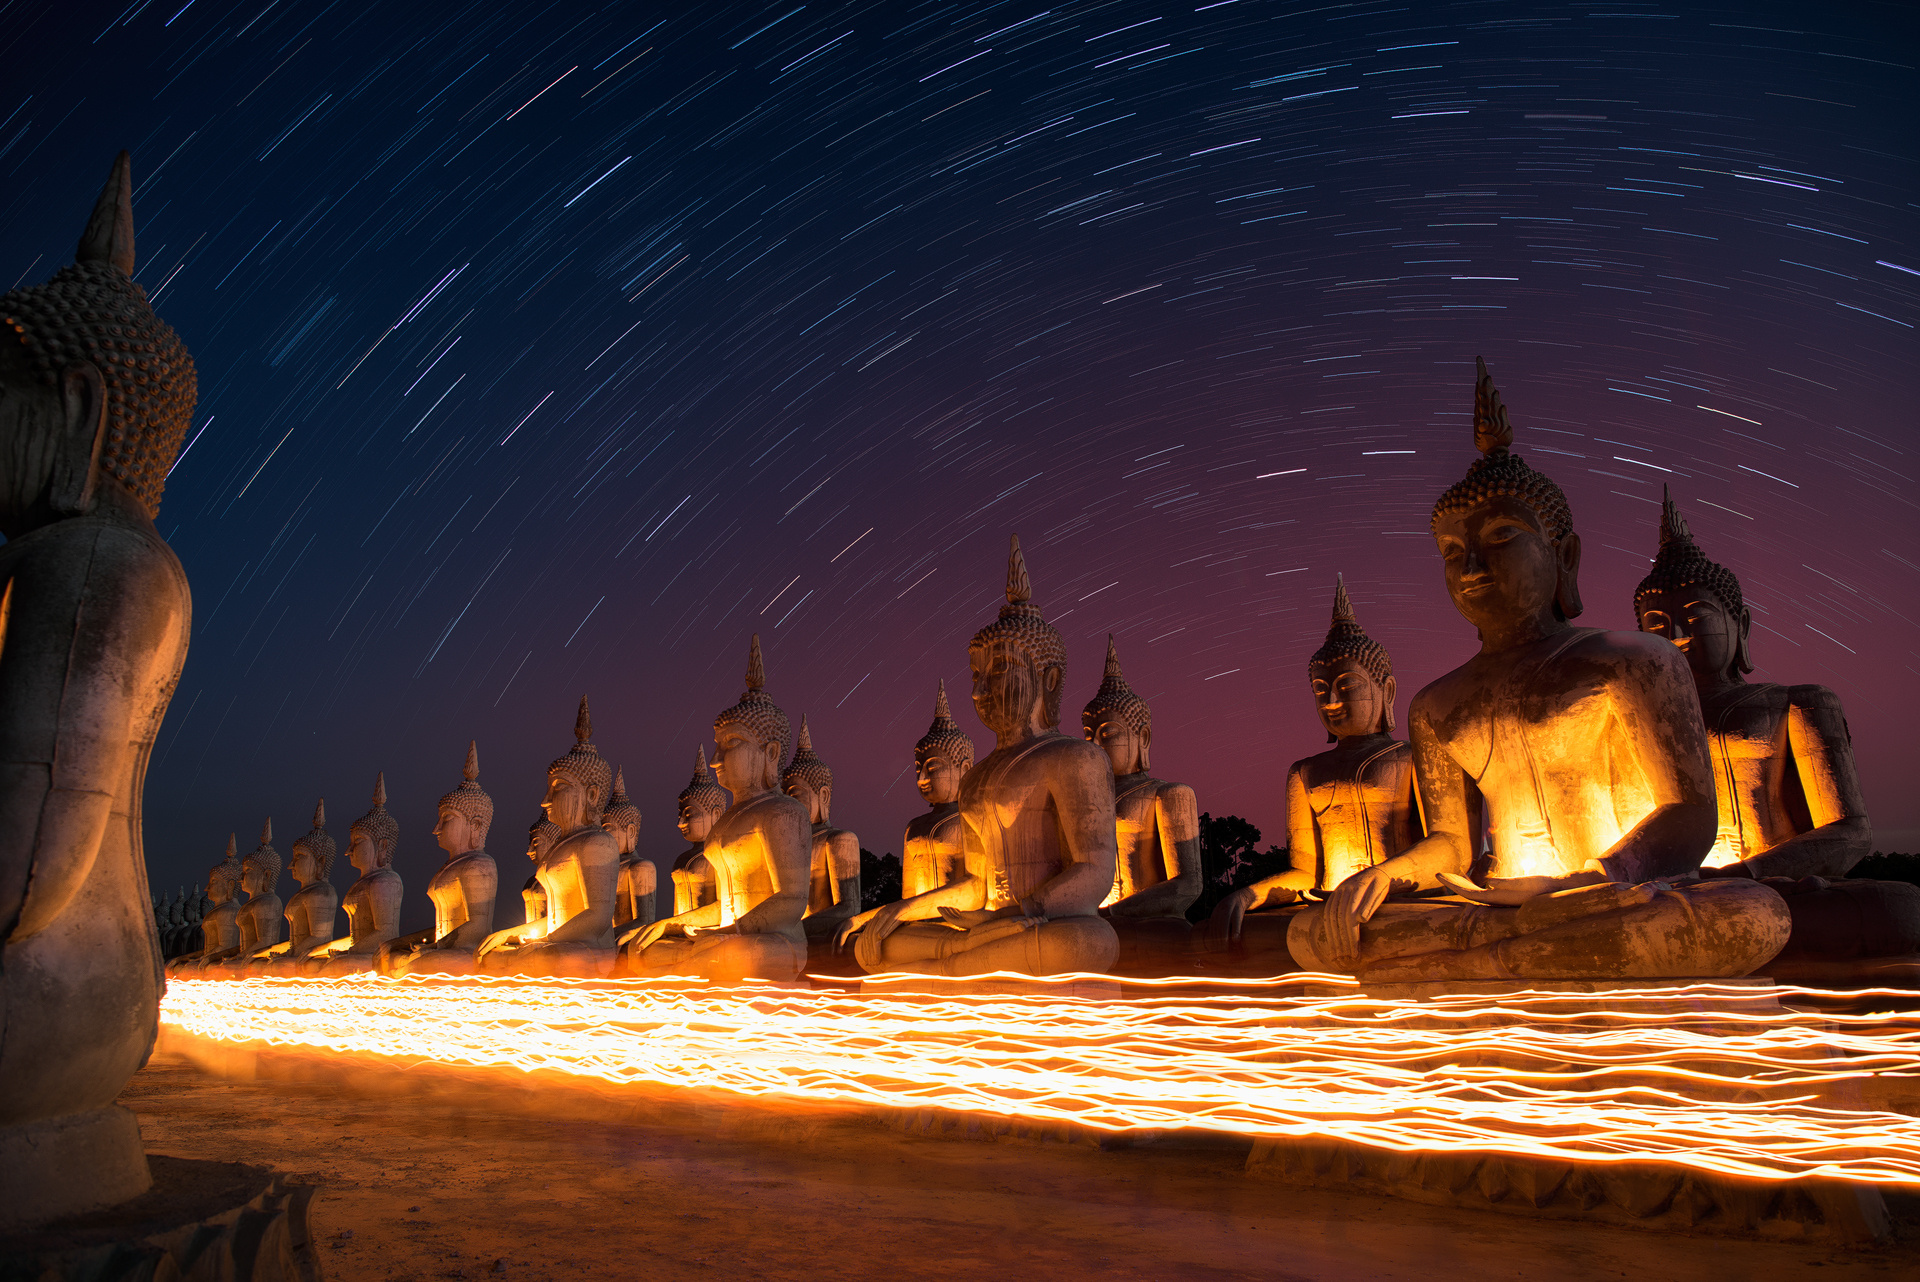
<point x="422" y="1185"/>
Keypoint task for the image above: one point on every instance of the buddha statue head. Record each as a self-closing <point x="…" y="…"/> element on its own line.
<point x="466" y="813"/>
<point x="809" y="780"/>
<point x="943" y="756"/>
<point x="224" y="881"/>
<point x="701" y="801"/>
<point x="541" y="835"/>
<point x="260" y="870"/>
<point x="1019" y="661"/>
<point x="96" y="392"/>
<point x="1118" y="720"/>
<point x="577" y="782"/>
<point x="1352" y="676"/>
<point x="622" y="817"/>
<point x="751" y="737"/>
<point x="312" y="855"/>
<point x="1695" y="603"/>
<point x="1505" y="531"/>
<point x="374" y="836"/>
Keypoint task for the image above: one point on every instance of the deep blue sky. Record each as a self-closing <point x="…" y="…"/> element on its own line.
<point x="550" y="350"/>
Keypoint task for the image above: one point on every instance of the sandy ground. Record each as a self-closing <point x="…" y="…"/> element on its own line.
<point x="422" y="1186"/>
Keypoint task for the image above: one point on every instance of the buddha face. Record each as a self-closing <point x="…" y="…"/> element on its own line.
<point x="1350" y="701"/>
<point x="1696" y="621"/>
<point x="1501" y="567"/>
<point x="695" y="821"/>
<point x="254" y="879"/>
<point x="219" y="889"/>
<point x="818" y="801"/>
<point x="305" y="871"/>
<point x="744" y="763"/>
<point x="365" y="853"/>
<point x="1125" y="747"/>
<point x="567" y="803"/>
<point x="939" y="778"/>
<point x="37" y="424"/>
<point x="1008" y="693"/>
<point x="625" y="835"/>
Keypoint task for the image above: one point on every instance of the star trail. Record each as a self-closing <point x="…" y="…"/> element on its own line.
<point x="549" y="350"/>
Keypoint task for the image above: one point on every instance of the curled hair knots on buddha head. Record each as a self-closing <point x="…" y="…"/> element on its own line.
<point x="806" y="765"/>
<point x="227" y="872"/>
<point x="756" y="711"/>
<point x="318" y="842"/>
<point x="1346" y="640"/>
<point x="264" y="857"/>
<point x="1021" y="625"/>
<point x="704" y="792"/>
<point x="1680" y="564"/>
<point x="620" y="810"/>
<point x="93" y="313"/>
<point x="1115" y="698"/>
<point x="584" y="765"/>
<point x="944" y="737"/>
<point x="381" y="828"/>
<point x="469" y="800"/>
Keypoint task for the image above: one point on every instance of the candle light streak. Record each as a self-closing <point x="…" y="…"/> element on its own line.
<point x="1730" y="1084"/>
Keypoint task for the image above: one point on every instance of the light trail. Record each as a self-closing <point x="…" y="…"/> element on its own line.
<point x="1739" y="1087"/>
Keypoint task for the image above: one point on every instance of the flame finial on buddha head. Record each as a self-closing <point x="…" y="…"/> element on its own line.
<point x="380" y="827"/>
<point x="263" y="857"/>
<point x="944" y="737"/>
<point x="468" y="799"/>
<point x="806" y="765"/>
<point x="318" y="842"/>
<point x="1022" y="626"/>
<point x="584" y="765"/>
<point x="756" y="710"/>
<point x="704" y="791"/>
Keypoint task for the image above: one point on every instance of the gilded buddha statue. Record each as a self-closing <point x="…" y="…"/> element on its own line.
<point x="1790" y="805"/>
<point x="96" y="394"/>
<point x="1586" y="748"/>
<point x="699" y="804"/>
<point x="220" y="922"/>
<point x="313" y="910"/>
<point x="462" y="891"/>
<point x="580" y="874"/>
<point x="1348" y="808"/>
<point x="372" y="902"/>
<point x="634" y="901"/>
<point x="833" y="875"/>
<point x="1156" y="830"/>
<point x="1037" y="821"/>
<point x="760" y="850"/>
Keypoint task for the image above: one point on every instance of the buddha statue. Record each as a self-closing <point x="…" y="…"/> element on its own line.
<point x="261" y="920"/>
<point x="633" y="902"/>
<point x="930" y="853"/>
<point x="462" y="890"/>
<point x="1791" y="811"/>
<point x="1156" y="828"/>
<point x="96" y="394"/>
<point x="1586" y="748"/>
<point x="760" y="850"/>
<point x="220" y="923"/>
<point x="1348" y="808"/>
<point x="833" y="891"/>
<point x="700" y="803"/>
<point x="373" y="902"/>
<point x="1037" y="824"/>
<point x="533" y="896"/>
<point x="314" y="909"/>
<point x="580" y="873"/>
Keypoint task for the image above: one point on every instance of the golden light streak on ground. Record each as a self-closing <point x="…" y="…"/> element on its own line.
<point x="1742" y="1088"/>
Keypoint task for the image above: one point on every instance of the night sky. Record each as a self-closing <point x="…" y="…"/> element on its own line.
<point x="549" y="350"/>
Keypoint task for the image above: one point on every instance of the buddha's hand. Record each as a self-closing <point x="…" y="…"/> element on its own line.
<point x="996" y="928"/>
<point x="968" y="918"/>
<point x="652" y="934"/>
<point x="851" y="927"/>
<point x="1230" y="913"/>
<point x="1350" y="906"/>
<point x="886" y="919"/>
<point x="1508" y="891"/>
<point x="694" y="932"/>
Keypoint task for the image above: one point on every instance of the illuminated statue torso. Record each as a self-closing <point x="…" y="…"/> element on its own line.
<point x="1751" y="729"/>
<point x="1358" y="800"/>
<point x="693" y="880"/>
<point x="931" y="855"/>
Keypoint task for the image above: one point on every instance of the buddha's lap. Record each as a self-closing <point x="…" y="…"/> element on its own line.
<point x="718" y="956"/>
<point x="1057" y="946"/>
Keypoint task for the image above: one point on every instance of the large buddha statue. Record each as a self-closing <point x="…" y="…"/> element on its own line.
<point x="372" y="902"/>
<point x="700" y="803"/>
<point x="833" y="885"/>
<point x="96" y="394"/>
<point x="580" y="874"/>
<point x="760" y="850"/>
<point x="262" y="920"/>
<point x="313" y="910"/>
<point x="1790" y="806"/>
<point x="462" y="891"/>
<point x="220" y="922"/>
<point x="1037" y="824"/>
<point x="1156" y="828"/>
<point x="1348" y="808"/>
<point x="639" y="879"/>
<point x="1587" y="750"/>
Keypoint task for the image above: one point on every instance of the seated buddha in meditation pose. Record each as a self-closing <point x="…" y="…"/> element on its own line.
<point x="634" y="896"/>
<point x="541" y="834"/>
<point x="220" y="924"/>
<point x="700" y="803"/>
<point x="833" y="876"/>
<point x="760" y="850"/>
<point x="262" y="919"/>
<point x="463" y="890"/>
<point x="580" y="873"/>
<point x="373" y="902"/>
<point x="1156" y="828"/>
<point x="1349" y="808"/>
<point x="313" y="910"/>
<point x="1790" y="806"/>
<point x="1037" y="826"/>
<point x="1588" y="752"/>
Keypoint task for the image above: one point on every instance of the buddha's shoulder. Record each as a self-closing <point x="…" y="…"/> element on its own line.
<point x="124" y="560"/>
<point x="767" y="808"/>
<point x="1054" y="751"/>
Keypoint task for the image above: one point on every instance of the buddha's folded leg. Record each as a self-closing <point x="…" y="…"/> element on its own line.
<point x="1399" y="929"/>
<point x="725" y="958"/>
<point x="545" y="960"/>
<point x="1056" y="947"/>
<point x="916" y="947"/>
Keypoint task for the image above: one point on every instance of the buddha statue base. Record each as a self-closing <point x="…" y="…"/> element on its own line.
<point x="1153" y="947"/>
<point x="56" y="1167"/>
<point x="1057" y="946"/>
<point x="542" y="960"/>
<point x="724" y="958"/>
<point x="922" y="986"/>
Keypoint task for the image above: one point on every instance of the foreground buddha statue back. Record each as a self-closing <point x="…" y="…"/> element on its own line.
<point x="1037" y="820"/>
<point x="700" y="803"/>
<point x="1589" y="754"/>
<point x="760" y="851"/>
<point x="463" y="890"/>
<point x="96" y="394"/>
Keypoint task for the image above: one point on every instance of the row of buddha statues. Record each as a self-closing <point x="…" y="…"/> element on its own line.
<point x="1572" y="803"/>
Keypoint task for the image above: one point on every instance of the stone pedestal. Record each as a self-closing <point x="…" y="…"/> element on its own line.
<point x="71" y="1165"/>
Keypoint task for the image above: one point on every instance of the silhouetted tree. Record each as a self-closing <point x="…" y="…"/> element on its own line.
<point x="1230" y="857"/>
<point x="1888" y="867"/>
<point x="879" y="879"/>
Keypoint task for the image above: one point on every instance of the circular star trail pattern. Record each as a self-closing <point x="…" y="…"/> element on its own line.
<point x="555" y="350"/>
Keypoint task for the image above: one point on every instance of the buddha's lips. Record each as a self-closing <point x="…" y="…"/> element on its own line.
<point x="1580" y="1077"/>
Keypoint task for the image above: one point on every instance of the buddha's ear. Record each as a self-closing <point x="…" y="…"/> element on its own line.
<point x="1386" y="718"/>
<point x="1741" y="658"/>
<point x="76" y="460"/>
<point x="1566" y="596"/>
<point x="1146" y="748"/>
